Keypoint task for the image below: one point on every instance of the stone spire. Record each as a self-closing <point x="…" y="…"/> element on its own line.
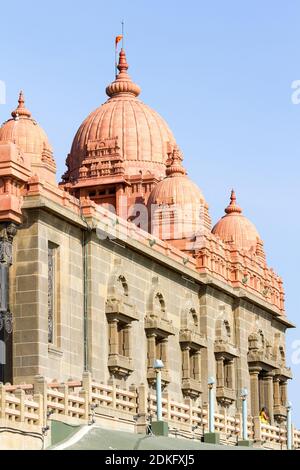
<point x="21" y="111"/>
<point x="123" y="85"/>
<point x="233" y="208"/>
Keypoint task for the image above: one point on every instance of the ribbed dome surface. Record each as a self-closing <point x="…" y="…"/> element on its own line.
<point x="176" y="190"/>
<point x="24" y="131"/>
<point x="236" y="228"/>
<point x="143" y="135"/>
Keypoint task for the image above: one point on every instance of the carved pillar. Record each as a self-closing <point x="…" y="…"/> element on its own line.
<point x="254" y="386"/>
<point x="230" y="374"/>
<point x="113" y="337"/>
<point x="7" y="233"/>
<point x="283" y="392"/>
<point x="127" y="340"/>
<point x="220" y="371"/>
<point x="276" y="391"/>
<point x="268" y="379"/>
<point x="197" y="365"/>
<point x="186" y="366"/>
<point x="164" y="352"/>
<point x="262" y="392"/>
<point x="151" y="339"/>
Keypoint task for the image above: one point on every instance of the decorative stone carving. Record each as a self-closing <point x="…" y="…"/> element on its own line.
<point x="7" y="233"/>
<point x="260" y="351"/>
<point x="6" y="321"/>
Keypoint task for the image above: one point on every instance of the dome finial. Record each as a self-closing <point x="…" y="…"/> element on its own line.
<point x="233" y="208"/>
<point x="21" y="100"/>
<point x="21" y="110"/>
<point x="123" y="83"/>
<point x="122" y="65"/>
<point x="174" y="163"/>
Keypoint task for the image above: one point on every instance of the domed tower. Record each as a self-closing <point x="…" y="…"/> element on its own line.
<point x="24" y="131"/>
<point x="176" y="206"/>
<point x="120" y="150"/>
<point x="235" y="229"/>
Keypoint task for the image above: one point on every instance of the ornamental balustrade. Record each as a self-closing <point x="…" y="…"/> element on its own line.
<point x="32" y="404"/>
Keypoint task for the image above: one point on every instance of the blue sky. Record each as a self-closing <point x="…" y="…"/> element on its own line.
<point x="219" y="72"/>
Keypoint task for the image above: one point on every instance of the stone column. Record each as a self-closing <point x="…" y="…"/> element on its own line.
<point x="283" y="392"/>
<point x="186" y="366"/>
<point x="113" y="337"/>
<point x="254" y="387"/>
<point x="164" y="352"/>
<point x="276" y="391"/>
<point x="220" y="371"/>
<point x="127" y="340"/>
<point x="197" y="365"/>
<point x="7" y="233"/>
<point x="268" y="380"/>
<point x="230" y="374"/>
<point x="151" y="339"/>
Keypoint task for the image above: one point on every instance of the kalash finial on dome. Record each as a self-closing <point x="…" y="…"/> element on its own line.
<point x="21" y="111"/>
<point x="123" y="85"/>
<point x="174" y="163"/>
<point x="233" y="208"/>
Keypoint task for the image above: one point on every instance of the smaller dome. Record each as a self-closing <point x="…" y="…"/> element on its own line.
<point x="235" y="228"/>
<point x="24" y="131"/>
<point x="178" y="200"/>
<point x="176" y="188"/>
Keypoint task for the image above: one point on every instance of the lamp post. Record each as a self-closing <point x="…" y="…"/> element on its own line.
<point x="244" y="394"/>
<point x="211" y="404"/>
<point x="211" y="437"/>
<point x="158" y="366"/>
<point x="159" y="427"/>
<point x="289" y="424"/>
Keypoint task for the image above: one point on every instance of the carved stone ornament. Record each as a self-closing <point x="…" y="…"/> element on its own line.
<point x="6" y="321"/>
<point x="7" y="233"/>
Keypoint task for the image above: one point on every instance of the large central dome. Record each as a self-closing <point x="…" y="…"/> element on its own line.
<point x="142" y="136"/>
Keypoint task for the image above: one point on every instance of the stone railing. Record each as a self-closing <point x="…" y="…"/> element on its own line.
<point x="82" y="401"/>
<point x="273" y="436"/>
<point x="18" y="407"/>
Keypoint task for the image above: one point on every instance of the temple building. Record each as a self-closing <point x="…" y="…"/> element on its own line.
<point x="119" y="264"/>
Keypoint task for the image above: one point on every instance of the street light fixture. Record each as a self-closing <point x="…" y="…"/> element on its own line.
<point x="288" y="406"/>
<point x="158" y="365"/>
<point x="211" y="404"/>
<point x="210" y="382"/>
<point x="244" y="394"/>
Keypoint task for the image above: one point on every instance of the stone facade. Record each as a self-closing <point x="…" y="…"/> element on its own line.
<point x="93" y="290"/>
<point x="150" y="305"/>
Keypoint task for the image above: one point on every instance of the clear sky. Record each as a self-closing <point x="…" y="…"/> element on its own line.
<point x="219" y="72"/>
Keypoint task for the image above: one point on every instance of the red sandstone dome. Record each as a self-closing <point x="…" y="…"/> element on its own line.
<point x="142" y="134"/>
<point x="176" y="188"/>
<point x="235" y="228"/>
<point x="178" y="202"/>
<point x="24" y="131"/>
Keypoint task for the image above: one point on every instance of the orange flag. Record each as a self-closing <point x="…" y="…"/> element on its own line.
<point x="118" y="39"/>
